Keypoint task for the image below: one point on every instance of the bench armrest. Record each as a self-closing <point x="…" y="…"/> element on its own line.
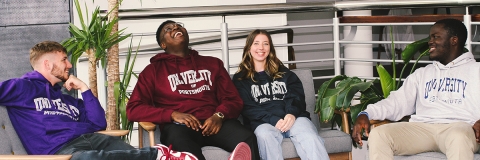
<point x="115" y="133"/>
<point x="148" y="126"/>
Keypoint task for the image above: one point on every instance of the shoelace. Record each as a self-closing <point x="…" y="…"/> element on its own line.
<point x="168" y="155"/>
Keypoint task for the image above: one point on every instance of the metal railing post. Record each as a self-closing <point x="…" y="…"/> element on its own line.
<point x="224" y="40"/>
<point x="336" y="45"/>
<point x="467" y="21"/>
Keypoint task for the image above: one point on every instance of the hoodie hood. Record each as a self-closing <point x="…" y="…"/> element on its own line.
<point x="37" y="76"/>
<point x="165" y="56"/>
<point x="460" y="60"/>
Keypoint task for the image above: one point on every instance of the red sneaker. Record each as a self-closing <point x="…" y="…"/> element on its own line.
<point x="241" y="152"/>
<point x="166" y="153"/>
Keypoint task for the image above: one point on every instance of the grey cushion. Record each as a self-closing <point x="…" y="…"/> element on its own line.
<point x="427" y="156"/>
<point x="9" y="141"/>
<point x="335" y="141"/>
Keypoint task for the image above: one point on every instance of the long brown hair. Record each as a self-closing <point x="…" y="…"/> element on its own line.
<point x="247" y="65"/>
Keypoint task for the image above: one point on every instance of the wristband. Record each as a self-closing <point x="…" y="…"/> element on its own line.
<point x="363" y="112"/>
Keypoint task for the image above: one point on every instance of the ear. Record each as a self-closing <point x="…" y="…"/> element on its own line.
<point x="454" y="40"/>
<point x="46" y="64"/>
<point x="163" y="45"/>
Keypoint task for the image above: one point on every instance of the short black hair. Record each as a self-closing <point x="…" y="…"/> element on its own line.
<point x="159" y="30"/>
<point x="455" y="27"/>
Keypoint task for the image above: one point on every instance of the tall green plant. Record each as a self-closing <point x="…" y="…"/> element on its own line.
<point x="93" y="39"/>
<point x="120" y="89"/>
<point x="388" y="81"/>
<point x="338" y="92"/>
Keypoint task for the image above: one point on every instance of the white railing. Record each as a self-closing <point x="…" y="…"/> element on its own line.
<point x="303" y="7"/>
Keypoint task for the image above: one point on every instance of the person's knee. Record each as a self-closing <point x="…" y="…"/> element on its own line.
<point x="378" y="134"/>
<point x="460" y="133"/>
<point x="263" y="131"/>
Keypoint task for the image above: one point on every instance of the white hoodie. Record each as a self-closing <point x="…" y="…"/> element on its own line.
<point x="436" y="93"/>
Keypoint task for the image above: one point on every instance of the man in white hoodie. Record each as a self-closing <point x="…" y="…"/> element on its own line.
<point x="442" y="99"/>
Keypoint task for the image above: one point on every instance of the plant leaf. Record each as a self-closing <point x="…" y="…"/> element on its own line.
<point x="323" y="90"/>
<point x="327" y="112"/>
<point x="412" y="48"/>
<point x="386" y="81"/>
<point x="346" y="96"/>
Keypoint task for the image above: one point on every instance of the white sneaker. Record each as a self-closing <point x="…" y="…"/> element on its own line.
<point x="241" y="152"/>
<point x="166" y="153"/>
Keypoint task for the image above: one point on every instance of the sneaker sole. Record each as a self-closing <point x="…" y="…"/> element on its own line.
<point x="241" y="152"/>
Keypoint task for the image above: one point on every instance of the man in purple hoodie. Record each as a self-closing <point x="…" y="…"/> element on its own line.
<point x="49" y="122"/>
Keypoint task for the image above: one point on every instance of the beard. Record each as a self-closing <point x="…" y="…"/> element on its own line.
<point x="59" y="73"/>
<point x="442" y="52"/>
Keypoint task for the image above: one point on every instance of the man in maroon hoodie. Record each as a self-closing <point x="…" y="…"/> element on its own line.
<point x="191" y="96"/>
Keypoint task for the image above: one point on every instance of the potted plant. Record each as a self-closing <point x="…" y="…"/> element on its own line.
<point x="337" y="93"/>
<point x="95" y="39"/>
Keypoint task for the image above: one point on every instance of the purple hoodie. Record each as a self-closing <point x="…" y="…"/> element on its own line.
<point x="44" y="118"/>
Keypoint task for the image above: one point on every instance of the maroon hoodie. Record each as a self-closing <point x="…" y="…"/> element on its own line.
<point x="194" y="84"/>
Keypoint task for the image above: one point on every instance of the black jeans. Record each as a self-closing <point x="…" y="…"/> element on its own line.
<point x="96" y="146"/>
<point x="232" y="132"/>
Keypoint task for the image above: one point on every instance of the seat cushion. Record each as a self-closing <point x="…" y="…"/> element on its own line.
<point x="426" y="156"/>
<point x="336" y="141"/>
<point x="429" y="156"/>
<point x="10" y="143"/>
<point x="211" y="152"/>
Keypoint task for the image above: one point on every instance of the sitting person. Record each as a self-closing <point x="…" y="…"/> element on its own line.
<point x="191" y="96"/>
<point x="49" y="122"/>
<point x="442" y="98"/>
<point x="274" y="102"/>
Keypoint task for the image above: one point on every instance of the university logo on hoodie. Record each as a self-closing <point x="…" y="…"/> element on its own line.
<point x="263" y="93"/>
<point x="190" y="77"/>
<point x="452" y="85"/>
<point x="59" y="108"/>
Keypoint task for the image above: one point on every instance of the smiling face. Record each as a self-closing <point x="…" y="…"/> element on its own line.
<point x="60" y="66"/>
<point x="173" y="34"/>
<point x="440" y="44"/>
<point x="260" y="49"/>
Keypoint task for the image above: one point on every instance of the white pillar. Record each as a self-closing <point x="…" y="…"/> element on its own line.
<point x="358" y="51"/>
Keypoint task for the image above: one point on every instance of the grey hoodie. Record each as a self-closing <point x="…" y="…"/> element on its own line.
<point x="436" y="93"/>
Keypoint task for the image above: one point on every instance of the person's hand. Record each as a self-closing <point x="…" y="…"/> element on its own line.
<point x="288" y="122"/>
<point x="476" y="130"/>
<point x="279" y="124"/>
<point x="362" y="123"/>
<point x="75" y="83"/>
<point x="212" y="125"/>
<point x="189" y="120"/>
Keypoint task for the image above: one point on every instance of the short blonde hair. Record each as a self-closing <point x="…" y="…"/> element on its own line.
<point x="43" y="48"/>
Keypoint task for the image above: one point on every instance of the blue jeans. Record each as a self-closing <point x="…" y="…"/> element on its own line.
<point x="96" y="146"/>
<point x="304" y="135"/>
